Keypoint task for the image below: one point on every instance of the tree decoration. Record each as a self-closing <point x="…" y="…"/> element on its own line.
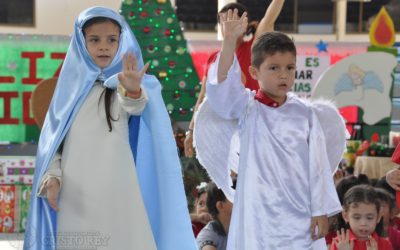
<point x="157" y="30"/>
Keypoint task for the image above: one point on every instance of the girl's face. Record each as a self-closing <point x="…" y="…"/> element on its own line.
<point x="201" y="206"/>
<point x="102" y="40"/>
<point x="362" y="218"/>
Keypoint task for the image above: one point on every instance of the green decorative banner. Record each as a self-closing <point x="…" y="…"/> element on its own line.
<point x="25" y="60"/>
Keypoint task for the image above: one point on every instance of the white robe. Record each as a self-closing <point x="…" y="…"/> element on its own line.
<point x="284" y="173"/>
<point x="100" y="201"/>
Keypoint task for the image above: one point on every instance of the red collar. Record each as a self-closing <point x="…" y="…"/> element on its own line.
<point x="264" y="99"/>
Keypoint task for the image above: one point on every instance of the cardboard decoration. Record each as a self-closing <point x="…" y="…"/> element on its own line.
<point x="41" y="98"/>
<point x="362" y="80"/>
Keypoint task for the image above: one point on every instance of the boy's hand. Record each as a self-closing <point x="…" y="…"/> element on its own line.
<point x="232" y="25"/>
<point x="53" y="189"/>
<point x="343" y="240"/>
<point x="130" y="77"/>
<point x="322" y="223"/>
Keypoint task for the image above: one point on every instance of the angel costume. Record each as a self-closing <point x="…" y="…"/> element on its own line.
<point x="285" y="166"/>
<point x="106" y="202"/>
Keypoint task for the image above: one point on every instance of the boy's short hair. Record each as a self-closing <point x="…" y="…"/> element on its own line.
<point x="270" y="43"/>
<point x="214" y="194"/>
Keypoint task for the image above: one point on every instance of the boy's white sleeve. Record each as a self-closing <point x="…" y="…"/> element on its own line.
<point x="130" y="105"/>
<point x="324" y="198"/>
<point x="229" y="98"/>
<point x="54" y="171"/>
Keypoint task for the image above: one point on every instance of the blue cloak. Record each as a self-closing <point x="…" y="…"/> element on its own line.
<point x="151" y="139"/>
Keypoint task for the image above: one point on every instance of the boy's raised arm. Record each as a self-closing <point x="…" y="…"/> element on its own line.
<point x="233" y="27"/>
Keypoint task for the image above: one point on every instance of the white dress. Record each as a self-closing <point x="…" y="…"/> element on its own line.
<point x="100" y="201"/>
<point x="284" y="175"/>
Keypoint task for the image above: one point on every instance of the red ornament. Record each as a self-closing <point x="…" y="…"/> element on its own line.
<point x="167" y="32"/>
<point x="144" y="14"/>
<point x="145" y="1"/>
<point x="131" y="14"/>
<point x="182" y="112"/>
<point x="158" y="11"/>
<point x="375" y="137"/>
<point x="146" y="29"/>
<point x="150" y="48"/>
<point x="171" y="64"/>
<point x="177" y="96"/>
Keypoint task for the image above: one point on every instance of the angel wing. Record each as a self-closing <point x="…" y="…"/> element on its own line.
<point x="372" y="81"/>
<point x="344" y="84"/>
<point x="334" y="130"/>
<point x="216" y="146"/>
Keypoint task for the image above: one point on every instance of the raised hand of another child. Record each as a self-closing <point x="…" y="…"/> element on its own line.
<point x="130" y="77"/>
<point x="343" y="240"/>
<point x="393" y="179"/>
<point x="204" y="218"/>
<point x="53" y="190"/>
<point x="232" y="25"/>
<point x="321" y="223"/>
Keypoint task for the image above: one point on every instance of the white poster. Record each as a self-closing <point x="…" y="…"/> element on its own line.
<point x="309" y="69"/>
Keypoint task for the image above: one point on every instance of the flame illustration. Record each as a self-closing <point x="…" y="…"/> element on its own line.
<point x="382" y="33"/>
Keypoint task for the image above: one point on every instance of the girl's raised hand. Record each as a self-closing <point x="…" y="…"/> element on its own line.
<point x="232" y="25"/>
<point x="372" y="244"/>
<point x="130" y="77"/>
<point x="343" y="240"/>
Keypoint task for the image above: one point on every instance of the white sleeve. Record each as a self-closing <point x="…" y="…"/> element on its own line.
<point x="130" y="105"/>
<point x="324" y="198"/>
<point x="54" y="171"/>
<point x="229" y="98"/>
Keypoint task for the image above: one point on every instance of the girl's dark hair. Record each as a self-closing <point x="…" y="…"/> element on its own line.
<point x="348" y="182"/>
<point x="99" y="19"/>
<point x="364" y="194"/>
<point x="341" y="188"/>
<point x="251" y="28"/>
<point x="107" y="92"/>
<point x="385" y="196"/>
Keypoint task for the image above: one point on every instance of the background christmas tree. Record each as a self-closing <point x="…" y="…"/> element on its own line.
<point x="159" y="34"/>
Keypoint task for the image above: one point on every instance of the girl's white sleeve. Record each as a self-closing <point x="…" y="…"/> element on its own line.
<point x="54" y="171"/>
<point x="130" y="105"/>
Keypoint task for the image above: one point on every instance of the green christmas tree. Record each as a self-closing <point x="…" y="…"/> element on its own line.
<point x="157" y="30"/>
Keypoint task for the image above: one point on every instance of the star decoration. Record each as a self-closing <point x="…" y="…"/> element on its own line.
<point x="322" y="46"/>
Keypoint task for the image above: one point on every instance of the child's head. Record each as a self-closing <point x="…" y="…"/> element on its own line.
<point x="273" y="64"/>
<point x="361" y="209"/>
<point x="387" y="205"/>
<point x="251" y="27"/>
<point x="102" y="36"/>
<point x="200" y="205"/>
<point x="217" y="203"/>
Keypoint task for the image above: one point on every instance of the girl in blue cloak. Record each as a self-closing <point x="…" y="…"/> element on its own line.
<point x="105" y="177"/>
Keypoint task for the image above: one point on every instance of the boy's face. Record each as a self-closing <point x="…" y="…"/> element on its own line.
<point x="201" y="205"/>
<point x="102" y="40"/>
<point x="276" y="75"/>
